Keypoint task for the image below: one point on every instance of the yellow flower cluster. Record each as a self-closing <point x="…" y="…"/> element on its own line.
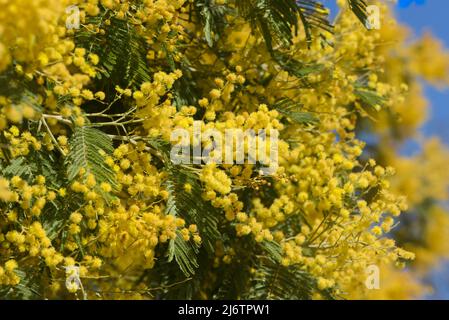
<point x="426" y="169"/>
<point x="329" y="207"/>
<point x="30" y="33"/>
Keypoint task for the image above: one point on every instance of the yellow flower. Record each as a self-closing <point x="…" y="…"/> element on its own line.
<point x="11" y="265"/>
<point x="106" y="187"/>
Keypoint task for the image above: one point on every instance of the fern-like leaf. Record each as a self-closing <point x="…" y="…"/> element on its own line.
<point x="370" y="97"/>
<point x="122" y="52"/>
<point x="273" y="281"/>
<point x="274" y="19"/>
<point x="212" y="17"/>
<point x="184" y="252"/>
<point x="291" y="110"/>
<point x="194" y="210"/>
<point x="19" y="167"/>
<point x="29" y="287"/>
<point x="191" y="207"/>
<point x="313" y="15"/>
<point x="86" y="145"/>
<point x="359" y="8"/>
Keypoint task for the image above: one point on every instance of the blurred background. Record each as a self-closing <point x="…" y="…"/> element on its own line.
<point x="431" y="16"/>
<point x="426" y="16"/>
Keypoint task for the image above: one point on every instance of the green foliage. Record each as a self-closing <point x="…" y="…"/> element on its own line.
<point x="21" y="168"/>
<point x="273" y="249"/>
<point x="185" y="91"/>
<point x="212" y="17"/>
<point x="277" y="20"/>
<point x="370" y="97"/>
<point x="313" y="16"/>
<point x="36" y="163"/>
<point x="184" y="252"/>
<point x="121" y="49"/>
<point x="295" y="67"/>
<point x="18" y="89"/>
<point x="291" y="110"/>
<point x="86" y="145"/>
<point x="194" y="210"/>
<point x="57" y="213"/>
<point x="276" y="282"/>
<point x="28" y="289"/>
<point x="359" y="9"/>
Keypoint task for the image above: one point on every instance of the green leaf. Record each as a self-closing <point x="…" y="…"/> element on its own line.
<point x="295" y="67"/>
<point x="85" y="147"/>
<point x="359" y="9"/>
<point x="213" y="18"/>
<point x="57" y="213"/>
<point x="122" y="52"/>
<point x="291" y="110"/>
<point x="194" y="210"/>
<point x="273" y="249"/>
<point x="275" y="282"/>
<point x="184" y="253"/>
<point x="370" y="97"/>
<point x="313" y="15"/>
<point x="184" y="90"/>
<point x="278" y="20"/>
<point x="34" y="164"/>
<point x="20" y="167"/>
<point x="19" y="90"/>
<point x="274" y="19"/>
<point x="191" y="207"/>
<point x="29" y="287"/>
<point x="208" y="28"/>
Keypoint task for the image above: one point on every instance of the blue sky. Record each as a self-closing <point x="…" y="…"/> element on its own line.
<point x="428" y="16"/>
<point x="432" y="16"/>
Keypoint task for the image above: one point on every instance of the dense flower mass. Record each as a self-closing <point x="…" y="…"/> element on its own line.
<point x="86" y="181"/>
